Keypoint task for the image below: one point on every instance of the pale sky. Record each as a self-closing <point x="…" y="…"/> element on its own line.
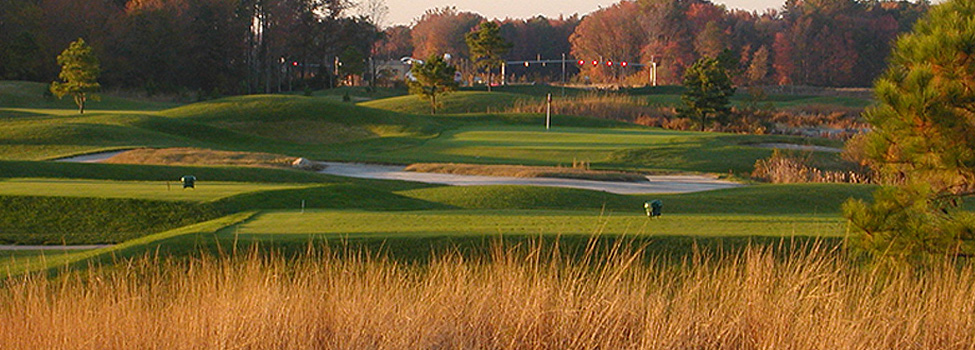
<point x="406" y="11"/>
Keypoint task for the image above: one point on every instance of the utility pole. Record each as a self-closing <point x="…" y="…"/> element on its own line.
<point x="563" y="74"/>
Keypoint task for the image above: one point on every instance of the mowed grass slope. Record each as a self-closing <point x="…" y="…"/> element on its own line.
<point x="453" y="103"/>
<point x="291" y="125"/>
<point x="302" y="120"/>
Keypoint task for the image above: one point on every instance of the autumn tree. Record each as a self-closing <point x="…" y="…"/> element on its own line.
<point x="395" y="42"/>
<point x="708" y="91"/>
<point x="79" y="74"/>
<point x="432" y="78"/>
<point x="487" y="46"/>
<point x="758" y="67"/>
<point x="441" y="31"/>
<point x="610" y="34"/>
<point x="921" y="144"/>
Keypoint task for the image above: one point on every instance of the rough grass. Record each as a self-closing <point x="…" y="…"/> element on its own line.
<point x="184" y="241"/>
<point x="67" y="220"/>
<point x="515" y="298"/>
<point x="196" y="156"/>
<point x="524" y="171"/>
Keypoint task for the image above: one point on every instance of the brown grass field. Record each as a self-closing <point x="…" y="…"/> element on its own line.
<point x="575" y="172"/>
<point x="514" y="298"/>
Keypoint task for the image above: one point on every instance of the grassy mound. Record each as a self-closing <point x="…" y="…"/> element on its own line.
<point x="456" y="102"/>
<point x="54" y="136"/>
<point x="302" y="120"/>
<point x="24" y="94"/>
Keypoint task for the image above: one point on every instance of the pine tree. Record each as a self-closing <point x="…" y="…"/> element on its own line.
<point x="922" y="144"/>
<point x="431" y="79"/>
<point x="79" y="73"/>
<point x="487" y="46"/>
<point x="708" y="91"/>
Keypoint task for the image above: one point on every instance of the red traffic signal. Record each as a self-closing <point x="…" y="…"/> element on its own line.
<point x="609" y="63"/>
<point x="295" y="63"/>
<point x="623" y="63"/>
<point x="595" y="63"/>
<point x="582" y="62"/>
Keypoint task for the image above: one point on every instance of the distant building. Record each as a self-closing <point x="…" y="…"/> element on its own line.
<point x="391" y="71"/>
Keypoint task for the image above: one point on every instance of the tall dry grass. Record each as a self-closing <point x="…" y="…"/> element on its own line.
<point x="786" y="167"/>
<point x="606" y="106"/>
<point x="513" y="299"/>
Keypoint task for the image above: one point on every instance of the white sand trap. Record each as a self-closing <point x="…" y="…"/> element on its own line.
<point x="91" y="158"/>
<point x="654" y="183"/>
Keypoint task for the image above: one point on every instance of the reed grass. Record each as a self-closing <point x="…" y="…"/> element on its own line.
<point x="518" y="297"/>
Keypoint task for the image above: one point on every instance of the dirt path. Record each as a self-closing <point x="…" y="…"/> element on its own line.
<point x="655" y="183"/>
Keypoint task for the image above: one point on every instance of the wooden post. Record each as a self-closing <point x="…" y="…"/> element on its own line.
<point x="548" y="111"/>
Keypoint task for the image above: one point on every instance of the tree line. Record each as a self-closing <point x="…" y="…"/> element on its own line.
<point x="807" y="42"/>
<point x="252" y="46"/>
<point x="208" y="46"/>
